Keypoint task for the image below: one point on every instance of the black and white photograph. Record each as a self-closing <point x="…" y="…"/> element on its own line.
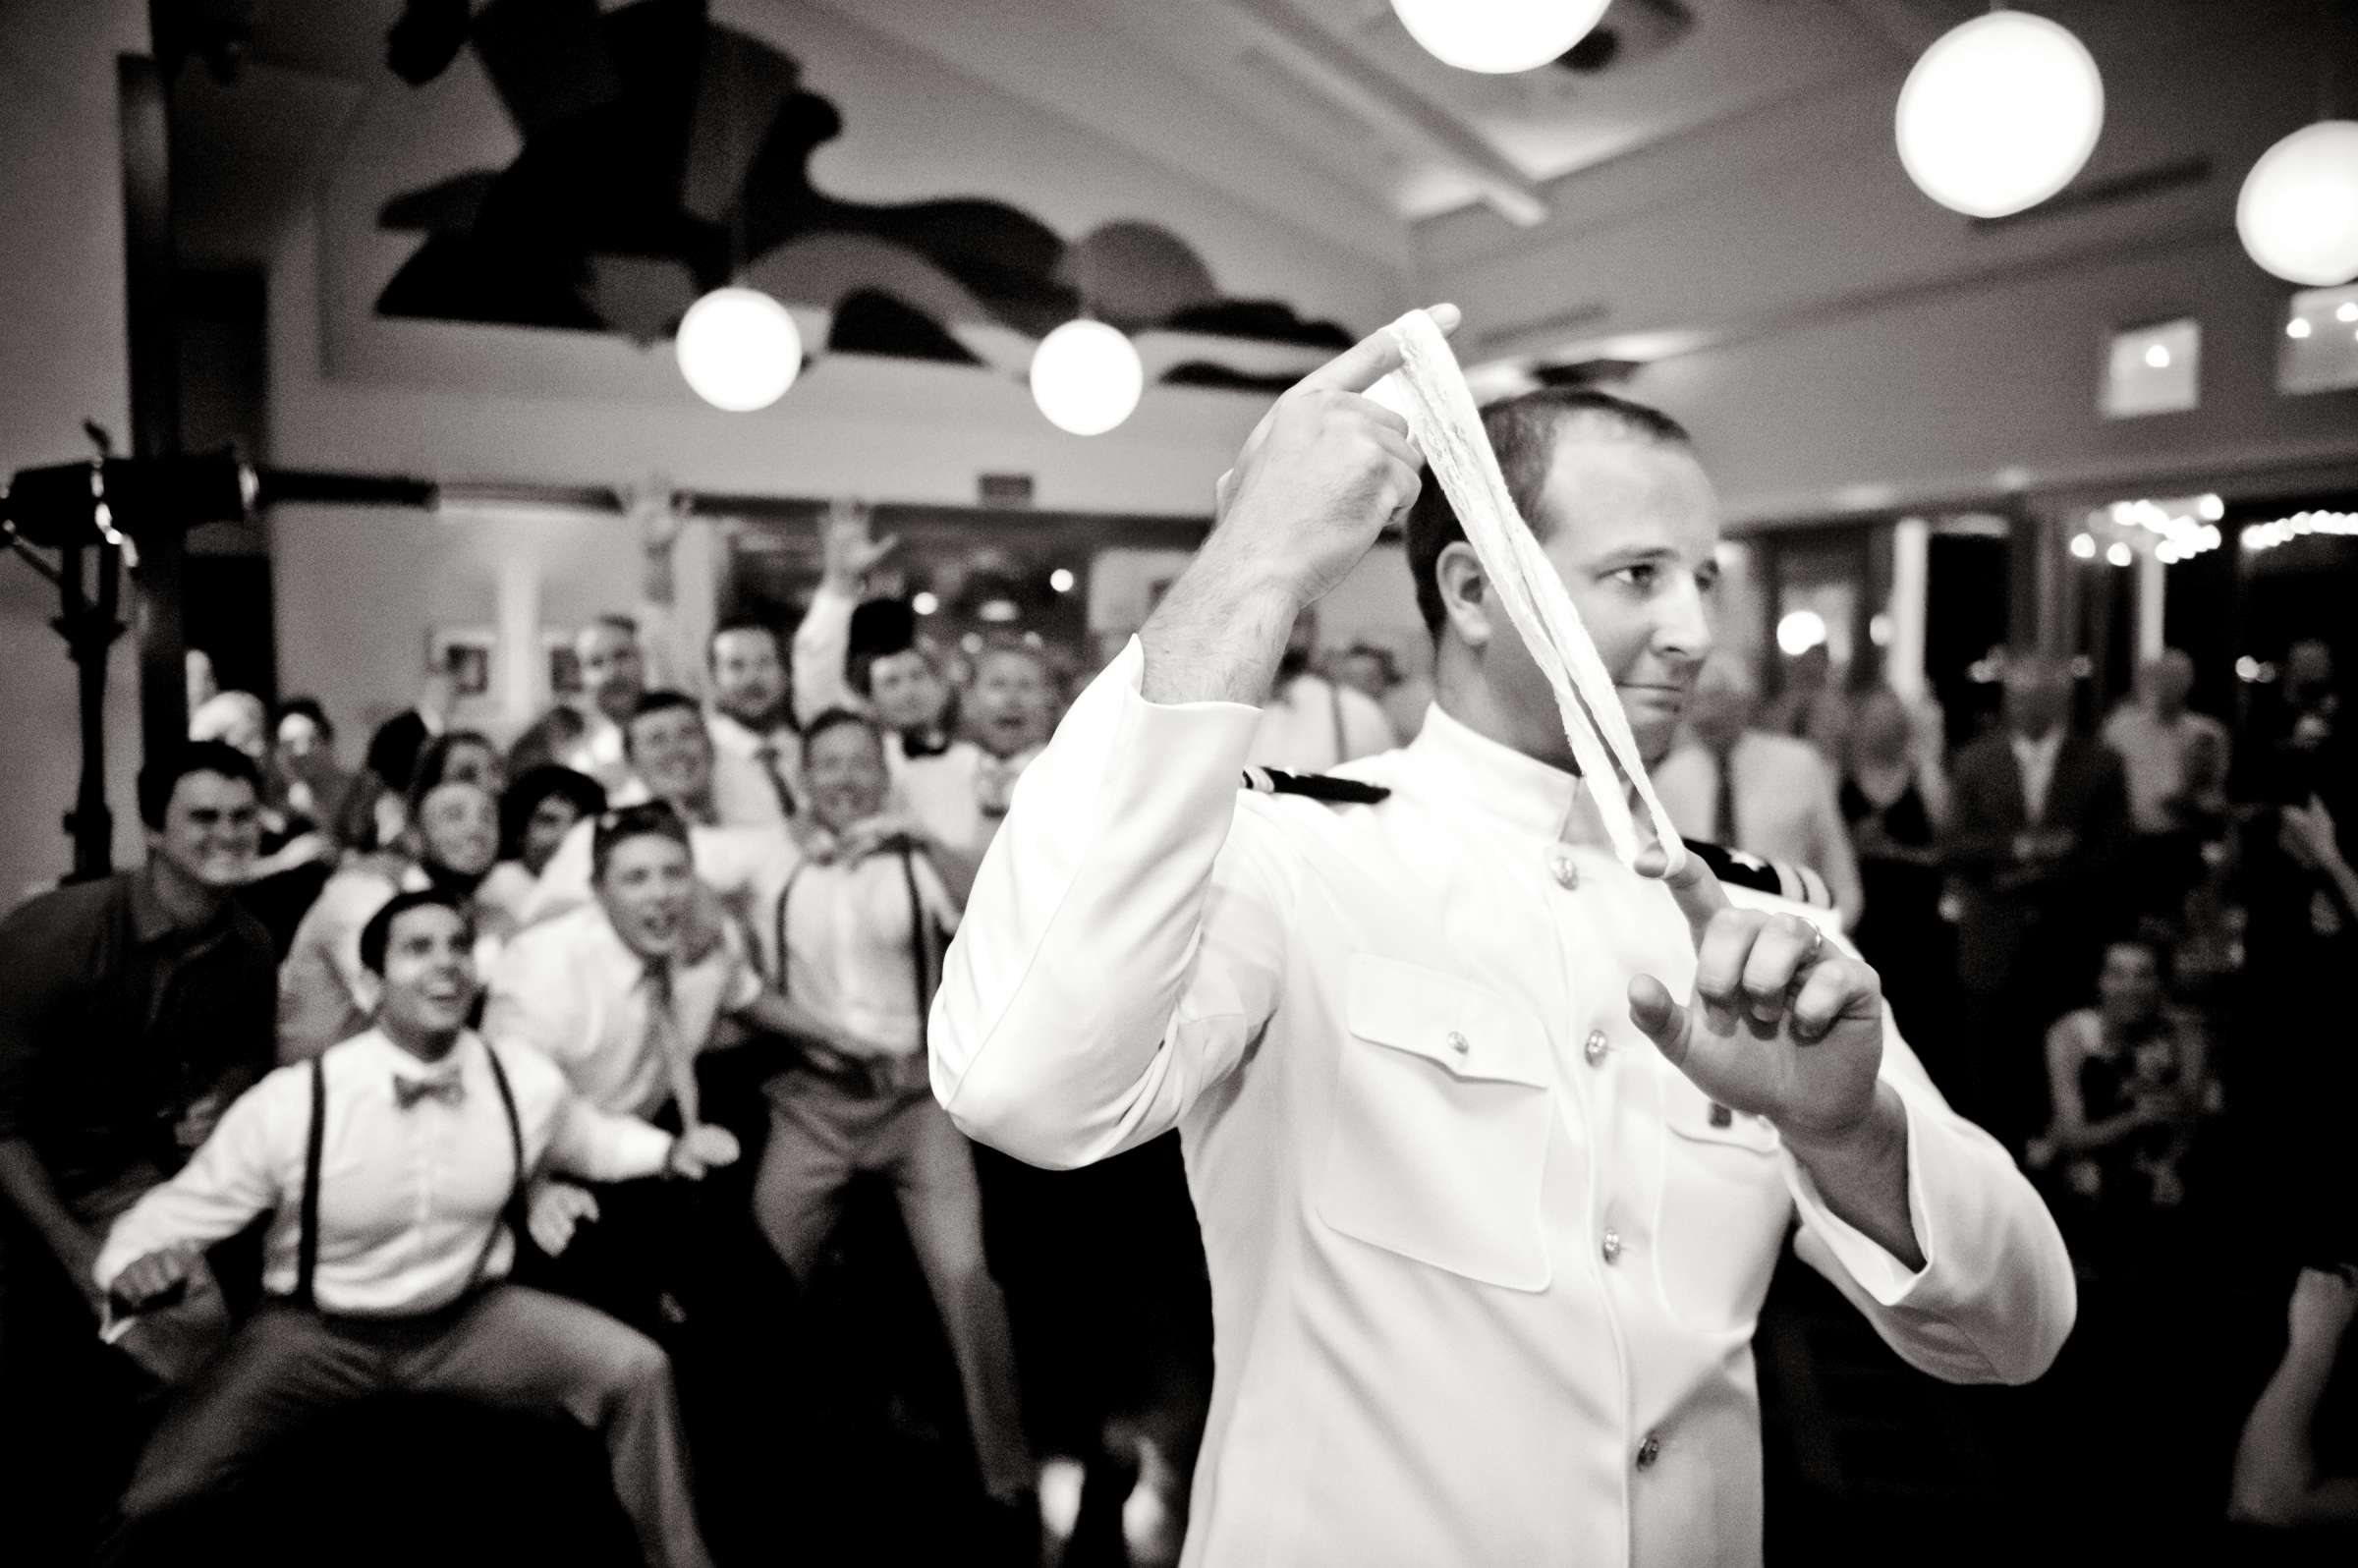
<point x="1178" y="783"/>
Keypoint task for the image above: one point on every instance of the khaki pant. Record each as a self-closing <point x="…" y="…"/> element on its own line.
<point x="823" y="1132"/>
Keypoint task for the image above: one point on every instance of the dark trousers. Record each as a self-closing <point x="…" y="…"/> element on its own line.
<point x="505" y="1346"/>
<point x="826" y="1132"/>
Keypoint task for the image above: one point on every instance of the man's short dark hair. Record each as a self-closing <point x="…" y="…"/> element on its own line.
<point x="614" y="620"/>
<point x="743" y="623"/>
<point x="660" y="702"/>
<point x="1523" y="432"/>
<point x="647" y="819"/>
<point x="162" y="776"/>
<point x="836" y="718"/>
<point x="378" y="934"/>
<point x="309" y="708"/>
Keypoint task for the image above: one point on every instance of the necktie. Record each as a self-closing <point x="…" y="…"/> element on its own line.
<point x="408" y="1091"/>
<point x="1723" y="817"/>
<point x="766" y="754"/>
<point x="665" y="1040"/>
<point x="994" y="784"/>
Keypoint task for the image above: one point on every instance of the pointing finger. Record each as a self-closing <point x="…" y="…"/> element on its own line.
<point x="1697" y="890"/>
<point x="1372" y="358"/>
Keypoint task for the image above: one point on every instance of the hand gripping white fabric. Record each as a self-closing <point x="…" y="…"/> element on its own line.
<point x="1429" y="392"/>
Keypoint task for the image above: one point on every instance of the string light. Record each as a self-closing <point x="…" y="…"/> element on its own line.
<point x="2259" y="537"/>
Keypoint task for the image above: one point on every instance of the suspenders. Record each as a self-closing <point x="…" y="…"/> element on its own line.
<point x="307" y="1246"/>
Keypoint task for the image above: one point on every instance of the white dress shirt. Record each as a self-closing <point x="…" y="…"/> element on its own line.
<point x="2036" y="761"/>
<point x="1485" y="1266"/>
<point x="601" y="751"/>
<point x="2154" y="754"/>
<point x="745" y="784"/>
<point x="410" y="1198"/>
<point x="1786" y="807"/>
<point x="1312" y="725"/>
<point x="572" y="990"/>
<point x="849" y="954"/>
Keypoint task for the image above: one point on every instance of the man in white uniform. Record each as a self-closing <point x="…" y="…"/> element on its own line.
<point x="1488" y="1214"/>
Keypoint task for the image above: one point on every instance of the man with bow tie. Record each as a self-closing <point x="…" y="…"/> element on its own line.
<point x="395" y="1165"/>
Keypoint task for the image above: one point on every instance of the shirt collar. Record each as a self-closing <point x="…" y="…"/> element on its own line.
<point x="2041" y="749"/>
<point x="151" y="922"/>
<point x="393" y="1057"/>
<point x="1534" y="796"/>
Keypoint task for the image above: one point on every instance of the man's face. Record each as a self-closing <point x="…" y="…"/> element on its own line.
<point x="648" y="883"/>
<point x="610" y="672"/>
<point x="2034" y="698"/>
<point x="299" y="738"/>
<point x="1009" y="702"/>
<point x="2129" y="984"/>
<point x="748" y="679"/>
<point x="672" y="753"/>
<point x="1719" y="709"/>
<point x="458" y="829"/>
<point x="211" y="825"/>
<point x="907" y="694"/>
<point x="1630" y="527"/>
<point x="429" y="971"/>
<point x="844" y="771"/>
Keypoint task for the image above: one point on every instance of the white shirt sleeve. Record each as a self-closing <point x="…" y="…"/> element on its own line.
<point x="1995" y="1297"/>
<point x="1127" y="933"/>
<point x="535" y="1002"/>
<point x="241" y="1171"/>
<point x="583" y="1141"/>
<point x="821" y="646"/>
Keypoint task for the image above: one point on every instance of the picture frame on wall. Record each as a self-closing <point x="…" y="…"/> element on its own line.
<point x="564" y="666"/>
<point x="466" y="652"/>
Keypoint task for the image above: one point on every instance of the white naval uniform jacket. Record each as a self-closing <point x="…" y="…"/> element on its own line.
<point x="1485" y="1266"/>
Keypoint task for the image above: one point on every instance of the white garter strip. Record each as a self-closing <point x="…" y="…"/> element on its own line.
<point x="1429" y="392"/>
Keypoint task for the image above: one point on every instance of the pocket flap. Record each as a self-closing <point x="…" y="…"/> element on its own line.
<point x="1690" y="1113"/>
<point x="1471" y="1032"/>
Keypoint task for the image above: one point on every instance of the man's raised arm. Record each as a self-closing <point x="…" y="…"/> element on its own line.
<point x="1125" y="938"/>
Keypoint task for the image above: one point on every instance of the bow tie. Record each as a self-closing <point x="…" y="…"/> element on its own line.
<point x="408" y="1091"/>
<point x="916" y="747"/>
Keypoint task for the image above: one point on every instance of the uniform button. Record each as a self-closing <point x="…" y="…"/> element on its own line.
<point x="1561" y="868"/>
<point x="1459" y="1043"/>
<point x="1613" y="1244"/>
<point x="1648" y="1451"/>
<point x="1593" y="1047"/>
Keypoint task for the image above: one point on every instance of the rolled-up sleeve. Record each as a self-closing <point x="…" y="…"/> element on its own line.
<point x="1125" y="938"/>
<point x="1995" y="1297"/>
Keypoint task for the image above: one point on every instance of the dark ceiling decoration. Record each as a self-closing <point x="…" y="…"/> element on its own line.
<point x="664" y="155"/>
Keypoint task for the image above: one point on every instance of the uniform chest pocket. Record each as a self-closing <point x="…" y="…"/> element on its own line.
<point x="1724" y="1208"/>
<point x="1441" y="1119"/>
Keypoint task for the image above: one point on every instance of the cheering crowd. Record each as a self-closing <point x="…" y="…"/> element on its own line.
<point x="565" y="1077"/>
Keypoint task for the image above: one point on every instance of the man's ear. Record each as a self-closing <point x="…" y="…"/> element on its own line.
<point x="1466" y="599"/>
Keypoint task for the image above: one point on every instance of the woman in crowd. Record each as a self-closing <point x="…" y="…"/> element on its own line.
<point x="2129" y="1087"/>
<point x="535" y="813"/>
<point x="1893" y="805"/>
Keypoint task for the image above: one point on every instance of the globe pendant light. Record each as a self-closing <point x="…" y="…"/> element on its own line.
<point x="738" y="349"/>
<point x="2298" y="212"/>
<point x="1497" y="36"/>
<point x="1999" y="114"/>
<point x="1086" y="377"/>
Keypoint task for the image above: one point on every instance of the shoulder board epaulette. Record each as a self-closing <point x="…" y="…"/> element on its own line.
<point x="1738" y="869"/>
<point x="1315" y="786"/>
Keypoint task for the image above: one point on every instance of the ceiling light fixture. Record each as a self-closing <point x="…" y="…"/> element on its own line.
<point x="738" y="349"/>
<point x="1497" y="36"/>
<point x="1086" y="377"/>
<point x="1999" y="114"/>
<point x="2298" y="210"/>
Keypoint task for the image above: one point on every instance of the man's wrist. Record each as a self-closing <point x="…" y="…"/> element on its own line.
<point x="1873" y="1137"/>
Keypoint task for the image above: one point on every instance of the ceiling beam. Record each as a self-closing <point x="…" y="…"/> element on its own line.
<point x="1382" y="99"/>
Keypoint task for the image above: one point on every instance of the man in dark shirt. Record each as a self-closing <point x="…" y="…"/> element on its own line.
<point x="132" y="1010"/>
